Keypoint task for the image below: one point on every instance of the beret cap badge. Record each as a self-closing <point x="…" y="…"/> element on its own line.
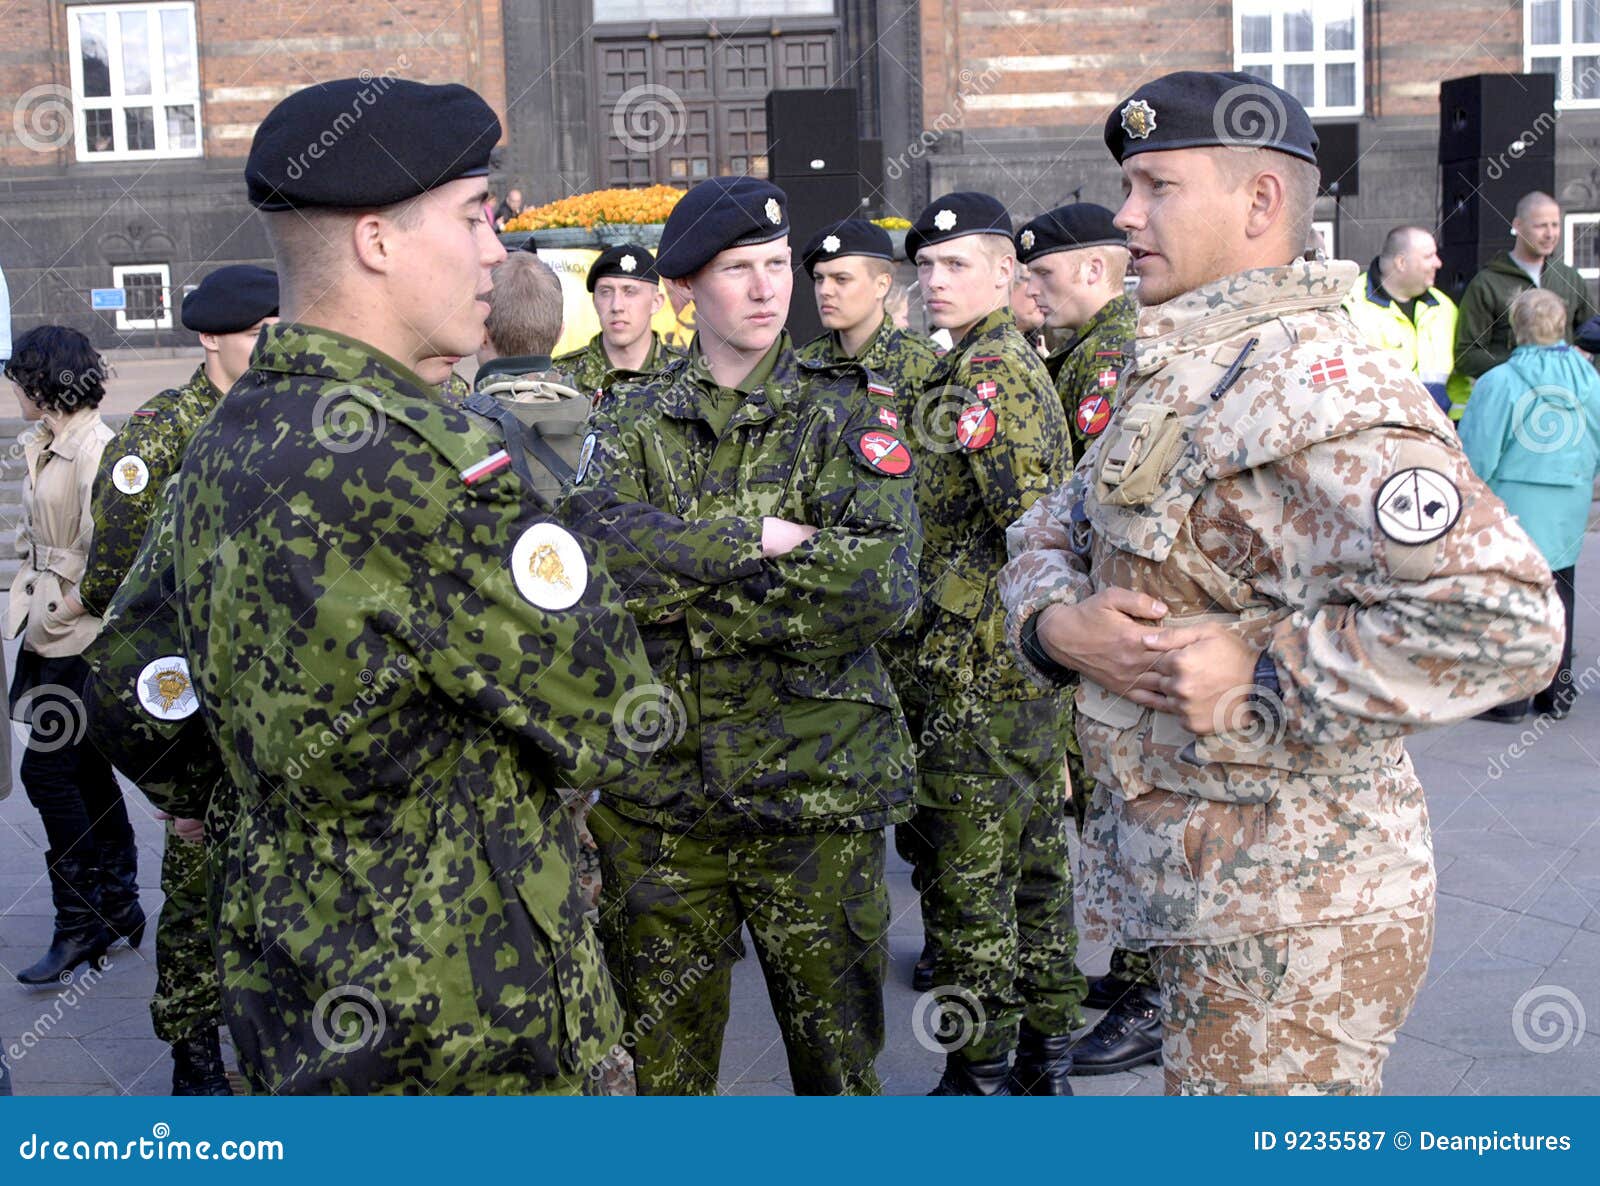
<point x="627" y="263"/>
<point x="1138" y="119"/>
<point x="945" y="219"/>
<point x="774" y="212"/>
<point x="1027" y="240"/>
<point x="831" y="244"/>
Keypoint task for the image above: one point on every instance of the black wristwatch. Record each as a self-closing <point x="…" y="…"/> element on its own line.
<point x="1266" y="697"/>
<point x="1035" y="653"/>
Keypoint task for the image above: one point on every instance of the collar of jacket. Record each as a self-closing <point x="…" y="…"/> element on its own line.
<point x="988" y="329"/>
<point x="872" y="350"/>
<point x="513" y="364"/>
<point x="65" y="437"/>
<point x="1222" y="309"/>
<point x="1379" y="295"/>
<point x="691" y="384"/>
<point x="288" y="348"/>
<point x="201" y="387"/>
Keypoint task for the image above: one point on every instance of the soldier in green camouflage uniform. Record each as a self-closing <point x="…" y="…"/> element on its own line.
<point x="1077" y="258"/>
<point x="591" y="371"/>
<point x="227" y="310"/>
<point x="991" y="800"/>
<point x="760" y="519"/>
<point x="398" y="652"/>
<point x="626" y="291"/>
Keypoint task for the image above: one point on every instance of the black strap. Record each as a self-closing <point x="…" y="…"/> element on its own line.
<point x="520" y="437"/>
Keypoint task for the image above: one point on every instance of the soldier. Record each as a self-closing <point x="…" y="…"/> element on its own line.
<point x="990" y="802"/>
<point x="1274" y="564"/>
<point x="627" y="295"/>
<point x="851" y="265"/>
<point x="759" y="515"/>
<point x="398" y="652"/>
<point x="227" y="310"/>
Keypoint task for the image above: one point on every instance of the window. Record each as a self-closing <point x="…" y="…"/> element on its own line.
<point x="148" y="289"/>
<point x="1562" y="37"/>
<point x="1580" y="244"/>
<point x="1312" y="49"/>
<point x="1322" y="234"/>
<point x="698" y="10"/>
<point x="135" y="81"/>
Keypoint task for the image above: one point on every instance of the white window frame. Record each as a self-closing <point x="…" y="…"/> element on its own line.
<point x="117" y="103"/>
<point x="1568" y="240"/>
<point x="1325" y="228"/>
<point x="119" y="275"/>
<point x="1564" y="50"/>
<point x="1270" y="65"/>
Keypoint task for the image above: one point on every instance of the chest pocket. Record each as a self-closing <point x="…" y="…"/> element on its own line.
<point x="1147" y="480"/>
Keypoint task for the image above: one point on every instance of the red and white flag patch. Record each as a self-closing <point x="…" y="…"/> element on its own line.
<point x="885" y="416"/>
<point x="1106" y="379"/>
<point x="881" y="389"/>
<point x="884" y="452"/>
<point x="987" y="389"/>
<point x="491" y="464"/>
<point x="1328" y="370"/>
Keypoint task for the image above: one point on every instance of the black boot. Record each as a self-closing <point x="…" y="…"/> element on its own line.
<point x="922" y="974"/>
<point x="197" y="1065"/>
<point x="1128" y="1036"/>
<point x="1105" y="991"/>
<point x="80" y="935"/>
<point x="119" y="892"/>
<point x="974" y="1078"/>
<point x="1043" y="1063"/>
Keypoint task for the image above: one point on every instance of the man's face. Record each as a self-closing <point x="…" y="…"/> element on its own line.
<point x="742" y="296"/>
<point x="514" y="199"/>
<point x="233" y="350"/>
<point x="1421" y="263"/>
<point x="1540" y="231"/>
<point x="441" y="277"/>
<point x="962" y="282"/>
<point x="625" y="308"/>
<point x="1057" y="285"/>
<point x="1029" y="317"/>
<point x="848" y="292"/>
<point x="1185" y="228"/>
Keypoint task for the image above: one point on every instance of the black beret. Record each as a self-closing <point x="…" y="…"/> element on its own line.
<point x="1203" y="109"/>
<point x="853" y="236"/>
<point x="231" y="299"/>
<point x="1067" y="228"/>
<point x="363" y="144"/>
<point x="955" y="215"/>
<point x="715" y="215"/>
<point x="627" y="261"/>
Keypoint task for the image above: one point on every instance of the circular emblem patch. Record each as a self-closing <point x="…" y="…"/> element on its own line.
<point x="976" y="427"/>
<point x="1094" y="413"/>
<point x="165" y="690"/>
<point x="886" y="452"/>
<point x="130" y="474"/>
<point x="1417" y="506"/>
<point x="549" y="567"/>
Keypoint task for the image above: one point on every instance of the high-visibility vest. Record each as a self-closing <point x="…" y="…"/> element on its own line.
<point x="1427" y="345"/>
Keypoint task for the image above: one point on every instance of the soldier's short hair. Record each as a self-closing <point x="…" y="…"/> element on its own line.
<point x="1300" y="178"/>
<point x="525" y="306"/>
<point x="310" y="245"/>
<point x="1539" y="318"/>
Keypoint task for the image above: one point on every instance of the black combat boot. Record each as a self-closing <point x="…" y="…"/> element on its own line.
<point x="922" y="974"/>
<point x="1105" y="991"/>
<point x="119" y="892"/>
<point x="1043" y="1063"/>
<point x="197" y="1065"/>
<point x="974" y="1078"/>
<point x="80" y="936"/>
<point x="1128" y="1036"/>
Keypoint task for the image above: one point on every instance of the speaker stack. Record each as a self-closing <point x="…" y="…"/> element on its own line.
<point x="815" y="156"/>
<point x="1496" y="143"/>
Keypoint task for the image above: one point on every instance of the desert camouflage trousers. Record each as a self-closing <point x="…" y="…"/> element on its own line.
<point x="1306" y="1011"/>
<point x="1130" y="966"/>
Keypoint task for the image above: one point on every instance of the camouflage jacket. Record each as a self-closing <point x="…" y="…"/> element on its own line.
<point x="1086" y="370"/>
<point x="400" y="658"/>
<point x="133" y="470"/>
<point x="1320" y="502"/>
<point x="591" y="371"/>
<point x="783" y="717"/>
<point x="902" y="361"/>
<point x="992" y="441"/>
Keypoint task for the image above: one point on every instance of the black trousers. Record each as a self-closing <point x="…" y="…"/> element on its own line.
<point x="1561" y="686"/>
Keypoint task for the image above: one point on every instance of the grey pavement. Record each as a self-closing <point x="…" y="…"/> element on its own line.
<point x="1511" y="1004"/>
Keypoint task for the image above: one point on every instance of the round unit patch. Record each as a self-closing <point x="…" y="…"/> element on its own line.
<point x="549" y="567"/>
<point x="165" y="689"/>
<point x="1094" y="413"/>
<point x="885" y="452"/>
<point x="1417" y="506"/>
<point x="976" y="427"/>
<point x="130" y="475"/>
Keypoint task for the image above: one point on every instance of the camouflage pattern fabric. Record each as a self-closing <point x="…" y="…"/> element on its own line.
<point x="399" y="656"/>
<point x="901" y="360"/>
<point x="591" y="372"/>
<point x="817" y="908"/>
<point x="1307" y="1011"/>
<point x="1321" y="503"/>
<point x="133" y="470"/>
<point x="187" y="999"/>
<point x="454" y="390"/>
<point x="1086" y="370"/>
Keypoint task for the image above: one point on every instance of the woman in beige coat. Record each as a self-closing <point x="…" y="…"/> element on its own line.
<point x="59" y="381"/>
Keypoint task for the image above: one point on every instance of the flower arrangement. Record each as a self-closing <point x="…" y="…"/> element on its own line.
<point x="599" y="207"/>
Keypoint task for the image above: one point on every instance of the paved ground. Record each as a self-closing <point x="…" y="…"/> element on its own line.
<point x="1511" y="1005"/>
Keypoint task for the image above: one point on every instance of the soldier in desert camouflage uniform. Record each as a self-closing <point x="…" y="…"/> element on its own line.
<point x="1273" y="565"/>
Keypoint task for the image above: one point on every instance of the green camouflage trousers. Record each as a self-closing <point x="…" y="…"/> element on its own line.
<point x="671" y="909"/>
<point x="187" y="997"/>
<point x="992" y="815"/>
<point x="1131" y="966"/>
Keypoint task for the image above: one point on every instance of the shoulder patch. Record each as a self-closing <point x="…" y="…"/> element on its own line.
<point x="986" y="389"/>
<point x="1328" y="370"/>
<point x="1108" y="354"/>
<point x="130" y="474"/>
<point x="881" y="451"/>
<point x="985" y="358"/>
<point x="549" y="567"/>
<point x="148" y="412"/>
<point x="1417" y="505"/>
<point x="888" y="418"/>
<point x="976" y="427"/>
<point x="880" y="389"/>
<point x="491" y="464"/>
<point x="1106" y="379"/>
<point x="165" y="690"/>
<point x="584" y="457"/>
<point x="1094" y="413"/>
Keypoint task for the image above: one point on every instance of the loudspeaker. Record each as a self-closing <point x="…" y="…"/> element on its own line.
<point x="814" y="202"/>
<point x="1479" y="197"/>
<point x="1339" y="159"/>
<point x="872" y="173"/>
<point x="812" y="131"/>
<point x="1459" y="263"/>
<point x="1484" y="115"/>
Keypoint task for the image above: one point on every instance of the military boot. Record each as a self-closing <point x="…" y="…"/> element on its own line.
<point x="119" y="892"/>
<point x="922" y="974"/>
<point x="1043" y="1063"/>
<point x="197" y="1065"/>
<point x="1128" y="1036"/>
<point x="991" y="1077"/>
<point x="80" y="936"/>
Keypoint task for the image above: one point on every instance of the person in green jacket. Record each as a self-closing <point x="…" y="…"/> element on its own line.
<point x="627" y="294"/>
<point x="1483" y="329"/>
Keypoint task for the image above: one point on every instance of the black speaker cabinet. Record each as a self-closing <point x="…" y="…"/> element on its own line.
<point x="1479" y="197"/>
<point x="1485" y="115"/>
<point x="812" y="131"/>
<point x="1339" y="159"/>
<point x="814" y="202"/>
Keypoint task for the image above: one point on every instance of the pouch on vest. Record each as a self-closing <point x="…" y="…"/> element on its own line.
<point x="1134" y="462"/>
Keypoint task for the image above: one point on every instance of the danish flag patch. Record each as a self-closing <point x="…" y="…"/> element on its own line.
<point x="1328" y="370"/>
<point x="987" y="389"/>
<point x="885" y="416"/>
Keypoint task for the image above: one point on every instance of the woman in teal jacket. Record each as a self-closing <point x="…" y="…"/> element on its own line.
<point x="1532" y="432"/>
